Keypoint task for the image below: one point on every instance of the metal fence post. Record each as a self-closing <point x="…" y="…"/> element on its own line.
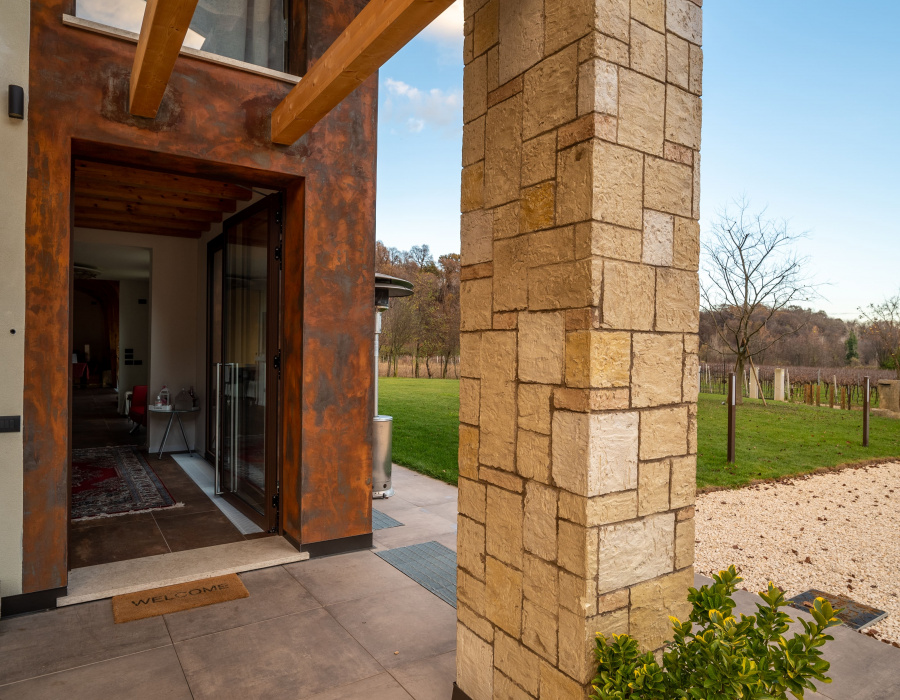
<point x="732" y="411"/>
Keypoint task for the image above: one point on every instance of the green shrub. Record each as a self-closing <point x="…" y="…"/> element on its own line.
<point x="725" y="657"/>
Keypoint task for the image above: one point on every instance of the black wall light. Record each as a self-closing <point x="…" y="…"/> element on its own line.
<point x="16" y="102"/>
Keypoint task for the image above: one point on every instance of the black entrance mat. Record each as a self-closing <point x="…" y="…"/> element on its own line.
<point x="380" y="520"/>
<point x="852" y="613"/>
<point x="430" y="564"/>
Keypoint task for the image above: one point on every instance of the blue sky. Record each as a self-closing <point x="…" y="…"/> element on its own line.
<point x="801" y="102"/>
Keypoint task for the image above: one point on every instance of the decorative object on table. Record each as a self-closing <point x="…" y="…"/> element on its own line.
<point x="192" y="395"/>
<point x="163" y="400"/>
<point x="173" y="413"/>
<point x="110" y="481"/>
<point x="183" y="401"/>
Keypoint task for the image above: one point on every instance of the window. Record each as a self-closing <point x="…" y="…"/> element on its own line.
<point x="253" y="31"/>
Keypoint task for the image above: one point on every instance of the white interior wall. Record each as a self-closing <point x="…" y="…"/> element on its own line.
<point x="14" y="37"/>
<point x="134" y="334"/>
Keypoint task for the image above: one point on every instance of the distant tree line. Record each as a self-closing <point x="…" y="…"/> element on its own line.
<point x="424" y="326"/>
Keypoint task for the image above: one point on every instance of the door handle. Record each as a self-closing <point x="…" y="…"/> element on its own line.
<point x="218" y="453"/>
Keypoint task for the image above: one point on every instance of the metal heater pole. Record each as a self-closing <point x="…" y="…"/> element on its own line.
<point x="732" y="414"/>
<point x="866" y="399"/>
<point x="377" y="336"/>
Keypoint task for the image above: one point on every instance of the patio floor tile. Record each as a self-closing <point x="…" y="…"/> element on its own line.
<point x="381" y="687"/>
<point x="428" y="679"/>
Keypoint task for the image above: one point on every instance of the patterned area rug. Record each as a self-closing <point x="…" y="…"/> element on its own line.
<point x="109" y="481"/>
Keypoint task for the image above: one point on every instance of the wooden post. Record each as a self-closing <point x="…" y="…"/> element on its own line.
<point x="831" y="396"/>
<point x="866" y="414"/>
<point x="818" y="393"/>
<point x="732" y="414"/>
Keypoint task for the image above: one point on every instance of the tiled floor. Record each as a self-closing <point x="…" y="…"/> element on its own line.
<point x="341" y="627"/>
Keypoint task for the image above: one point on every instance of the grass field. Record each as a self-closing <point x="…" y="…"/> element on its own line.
<point x="774" y="441"/>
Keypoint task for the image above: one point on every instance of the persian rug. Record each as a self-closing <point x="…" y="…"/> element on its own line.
<point x="108" y="481"/>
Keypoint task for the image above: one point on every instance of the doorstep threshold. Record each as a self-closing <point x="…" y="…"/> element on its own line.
<point x="108" y="580"/>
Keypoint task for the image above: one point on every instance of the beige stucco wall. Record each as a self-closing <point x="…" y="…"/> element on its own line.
<point x="13" y="146"/>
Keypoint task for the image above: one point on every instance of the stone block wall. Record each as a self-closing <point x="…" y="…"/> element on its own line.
<point x="580" y="247"/>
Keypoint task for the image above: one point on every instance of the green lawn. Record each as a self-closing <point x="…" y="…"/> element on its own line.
<point x="774" y="441"/>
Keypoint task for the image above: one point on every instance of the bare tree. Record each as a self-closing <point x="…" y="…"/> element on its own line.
<point x="751" y="272"/>
<point x="882" y="322"/>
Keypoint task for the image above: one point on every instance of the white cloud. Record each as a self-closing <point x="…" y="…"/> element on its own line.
<point x="449" y="25"/>
<point x="417" y="109"/>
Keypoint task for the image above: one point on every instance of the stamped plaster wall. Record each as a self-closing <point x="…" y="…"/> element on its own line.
<point x="14" y="147"/>
<point x="580" y="245"/>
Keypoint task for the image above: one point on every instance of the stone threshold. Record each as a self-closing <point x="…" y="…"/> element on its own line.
<point x="108" y="580"/>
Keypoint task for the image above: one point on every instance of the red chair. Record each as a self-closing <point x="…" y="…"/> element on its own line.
<point x="138" y="411"/>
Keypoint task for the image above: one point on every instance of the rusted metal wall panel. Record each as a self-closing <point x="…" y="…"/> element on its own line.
<point x="213" y="121"/>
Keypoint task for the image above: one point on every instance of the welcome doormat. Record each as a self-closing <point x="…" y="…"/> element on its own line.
<point x="181" y="596"/>
<point x="109" y="481"/>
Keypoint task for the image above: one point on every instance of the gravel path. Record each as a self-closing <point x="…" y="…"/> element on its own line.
<point x="838" y="532"/>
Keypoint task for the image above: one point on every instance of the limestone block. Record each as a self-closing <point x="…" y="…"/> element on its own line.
<point x="567" y="285"/>
<point x="539" y="630"/>
<point x="506" y="689"/>
<point x="550" y="246"/>
<point x="539" y="159"/>
<point x="504" y="526"/>
<point x="576" y="641"/>
<point x="506" y="220"/>
<point x="534" y="408"/>
<point x="598" y="87"/>
<point x="510" y="274"/>
<point x="659" y="238"/>
<point x="503" y="479"/>
<point x="498" y="423"/>
<point x="667" y="186"/>
<point x="695" y="207"/>
<point x="691" y="385"/>
<point x="692" y="429"/>
<point x="470" y="539"/>
<point x="521" y="37"/>
<point x="506" y="320"/>
<point x="468" y="451"/>
<point x="486" y="31"/>
<point x="613" y="601"/>
<point x="533" y="456"/>
<point x="634" y="551"/>
<point x="503" y="152"/>
<point x="628" y="296"/>
<point x="577" y="594"/>
<point x="653" y="487"/>
<point x="685" y="19"/>
<point x="679" y="66"/>
<point x="498" y="355"/>
<point x="683" y="117"/>
<point x="651" y="604"/>
<point x="650" y="12"/>
<point x="541" y="582"/>
<point x="556" y="685"/>
<point x="479" y="625"/>
<point x="608" y="241"/>
<point x="475" y="89"/>
<point x="472" y="497"/>
<point x="515" y="661"/>
<point x="599" y="510"/>
<point x="677" y="301"/>
<point x="598" y="359"/>
<point x="598" y="45"/>
<point x="613" y="18"/>
<point x="473" y="142"/>
<point x="475" y="302"/>
<point x="550" y="92"/>
<point x="472" y="592"/>
<point x="618" y="186"/>
<point x="684" y="543"/>
<point x="472" y="196"/>
<point x="470" y="355"/>
<point x="539" y="526"/>
<point x="541" y="347"/>
<point x="577" y="548"/>
<point x="779" y="384"/>
<point x="604" y="443"/>
<point x="648" y="51"/>
<point x="687" y="244"/>
<point x="474" y="664"/>
<point x="469" y="400"/>
<point x="470" y="7"/>
<point x="574" y="184"/>
<point x="493" y="74"/>
<point x="657" y="373"/>
<point x="678" y="153"/>
<point x="468" y="48"/>
<point x="695" y="84"/>
<point x="684" y="481"/>
<point x="476" y="236"/>
<point x="537" y="207"/>
<point x="642" y="111"/>
<point x="566" y="21"/>
<point x="664" y="433"/>
<point x="504" y="596"/>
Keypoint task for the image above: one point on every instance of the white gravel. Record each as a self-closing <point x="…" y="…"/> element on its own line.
<point x="838" y="532"/>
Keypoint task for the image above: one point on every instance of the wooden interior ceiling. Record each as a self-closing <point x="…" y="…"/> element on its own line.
<point x="123" y="198"/>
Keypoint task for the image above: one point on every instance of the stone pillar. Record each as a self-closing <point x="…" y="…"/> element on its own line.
<point x="754" y="384"/>
<point x="580" y="246"/>
<point x="779" y="384"/>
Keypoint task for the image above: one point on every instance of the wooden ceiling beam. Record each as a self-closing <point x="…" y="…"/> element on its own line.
<point x="136" y="228"/>
<point x="380" y="30"/>
<point x="138" y="195"/>
<point x="163" y="29"/>
<point x="113" y="206"/>
<point x="151" y="179"/>
<point x="118" y="217"/>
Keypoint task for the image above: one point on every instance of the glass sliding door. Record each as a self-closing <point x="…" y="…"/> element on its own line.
<point x="244" y="360"/>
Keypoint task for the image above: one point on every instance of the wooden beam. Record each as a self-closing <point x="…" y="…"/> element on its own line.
<point x="123" y="175"/>
<point x="138" y="195"/>
<point x="96" y="204"/>
<point x="127" y="220"/>
<point x="163" y="29"/>
<point x="135" y="228"/>
<point x="380" y="30"/>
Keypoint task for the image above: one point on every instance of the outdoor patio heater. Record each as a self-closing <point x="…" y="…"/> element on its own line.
<point x="386" y="288"/>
